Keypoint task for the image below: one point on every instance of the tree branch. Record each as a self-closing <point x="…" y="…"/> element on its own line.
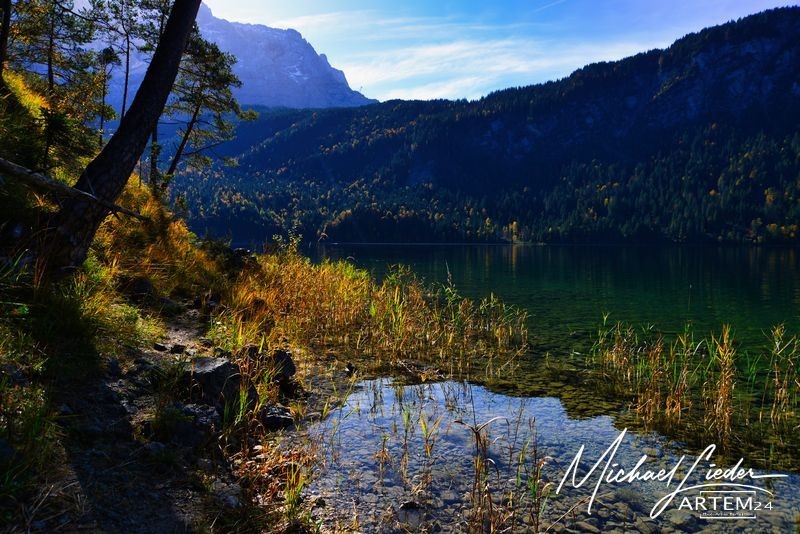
<point x="35" y="179"/>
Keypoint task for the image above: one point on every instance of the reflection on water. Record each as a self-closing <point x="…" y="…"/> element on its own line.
<point x="402" y="458"/>
<point x="567" y="288"/>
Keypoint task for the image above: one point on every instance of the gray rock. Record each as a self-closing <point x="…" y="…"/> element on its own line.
<point x="206" y="417"/>
<point x="584" y="526"/>
<point x="229" y="495"/>
<point x="196" y="425"/>
<point x="216" y="380"/>
<point x="681" y="518"/>
<point x="644" y="526"/>
<point x="139" y="289"/>
<point x="280" y="362"/>
<point x="205" y="464"/>
<point x="275" y="417"/>
<point x="283" y="364"/>
<point x="410" y="505"/>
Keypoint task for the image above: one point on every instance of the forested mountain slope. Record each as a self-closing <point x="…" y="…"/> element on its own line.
<point x="693" y="143"/>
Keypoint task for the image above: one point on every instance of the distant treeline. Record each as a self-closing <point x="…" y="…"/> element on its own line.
<point x="697" y="142"/>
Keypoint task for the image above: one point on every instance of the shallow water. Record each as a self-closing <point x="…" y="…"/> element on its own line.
<point x="566" y="290"/>
<point x="377" y="468"/>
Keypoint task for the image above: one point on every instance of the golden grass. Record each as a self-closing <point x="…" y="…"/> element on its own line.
<point x="706" y="386"/>
<point x="32" y="101"/>
<point x="285" y="299"/>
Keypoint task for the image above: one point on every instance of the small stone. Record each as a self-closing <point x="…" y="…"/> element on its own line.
<point x="643" y="526"/>
<point x="584" y="526"/>
<point x="205" y="464"/>
<point x="275" y="417"/>
<point x="160" y="347"/>
<point x="178" y="348"/>
<point x="227" y="494"/>
<point x="681" y="518"/>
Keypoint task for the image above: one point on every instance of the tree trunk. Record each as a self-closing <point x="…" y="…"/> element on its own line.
<point x="5" y="28"/>
<point x="155" y="152"/>
<point x="185" y="141"/>
<point x="74" y="226"/>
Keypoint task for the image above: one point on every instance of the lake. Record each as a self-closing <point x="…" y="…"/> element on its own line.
<point x="403" y="476"/>
<point x="566" y="289"/>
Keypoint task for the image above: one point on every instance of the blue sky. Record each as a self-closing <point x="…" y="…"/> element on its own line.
<point x="468" y="48"/>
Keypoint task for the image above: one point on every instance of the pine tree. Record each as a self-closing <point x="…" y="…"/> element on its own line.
<point x="48" y="39"/>
<point x="203" y="97"/>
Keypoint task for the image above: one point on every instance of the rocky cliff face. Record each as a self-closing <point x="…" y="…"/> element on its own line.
<point x="279" y="67"/>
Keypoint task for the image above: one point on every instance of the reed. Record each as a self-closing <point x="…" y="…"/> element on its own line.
<point x="718" y="388"/>
<point x="785" y="380"/>
<point x="705" y="389"/>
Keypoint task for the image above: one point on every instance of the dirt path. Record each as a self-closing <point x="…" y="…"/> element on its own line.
<point x="113" y="477"/>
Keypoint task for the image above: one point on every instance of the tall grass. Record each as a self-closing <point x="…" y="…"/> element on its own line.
<point x="284" y="298"/>
<point x="719" y="386"/>
<point x="703" y="386"/>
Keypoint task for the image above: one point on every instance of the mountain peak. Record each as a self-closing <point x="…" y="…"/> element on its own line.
<point x="279" y="67"/>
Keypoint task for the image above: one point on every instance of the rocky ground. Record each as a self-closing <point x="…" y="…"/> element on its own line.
<point x="140" y="442"/>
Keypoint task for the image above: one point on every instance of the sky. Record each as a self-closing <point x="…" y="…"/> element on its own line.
<point x="424" y="49"/>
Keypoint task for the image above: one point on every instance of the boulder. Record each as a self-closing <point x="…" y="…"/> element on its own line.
<point x="197" y="425"/>
<point x="283" y="364"/>
<point x="280" y="362"/>
<point x="216" y="380"/>
<point x="275" y="417"/>
<point x="139" y="289"/>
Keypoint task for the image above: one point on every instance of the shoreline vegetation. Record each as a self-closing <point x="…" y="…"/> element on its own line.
<point x="705" y="389"/>
<point x="57" y="334"/>
<point x="339" y="326"/>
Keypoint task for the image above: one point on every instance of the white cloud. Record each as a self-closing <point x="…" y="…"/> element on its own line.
<point x="472" y="68"/>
